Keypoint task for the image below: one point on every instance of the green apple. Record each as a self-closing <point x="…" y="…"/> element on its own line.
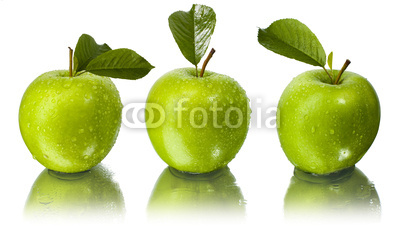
<point x="326" y="119"/>
<point x="351" y="197"/>
<point x="201" y="123"/>
<point x="64" y="196"/>
<point x="69" y="124"/>
<point x="325" y="127"/>
<point x="70" y="120"/>
<point x="197" y="120"/>
<point x="182" y="195"/>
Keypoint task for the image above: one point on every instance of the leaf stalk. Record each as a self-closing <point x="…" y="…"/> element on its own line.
<point x="328" y="74"/>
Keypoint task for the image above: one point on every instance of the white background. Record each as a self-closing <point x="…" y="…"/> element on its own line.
<point x="34" y="36"/>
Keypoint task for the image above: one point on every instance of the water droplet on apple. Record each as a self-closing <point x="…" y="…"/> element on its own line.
<point x="354" y="132"/>
<point x="45" y="156"/>
<point x="45" y="199"/>
<point x="312" y="129"/>
<point x="94" y="87"/>
<point x="334" y="187"/>
<point x="306" y="117"/>
<point x="53" y="114"/>
<point x="29" y="125"/>
<point x="332" y="131"/>
<point x="85" y="157"/>
<point x="58" y="92"/>
<point x="79" y="85"/>
<point x="38" y="128"/>
<point x="81" y="131"/>
<point x="73" y="139"/>
<point x="209" y="86"/>
<point x="53" y="100"/>
<point x="90" y="128"/>
<point x="34" y="157"/>
<point x="67" y="85"/>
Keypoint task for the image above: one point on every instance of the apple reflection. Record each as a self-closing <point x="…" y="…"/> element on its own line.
<point x="349" y="196"/>
<point x="179" y="196"/>
<point x="87" y="196"/>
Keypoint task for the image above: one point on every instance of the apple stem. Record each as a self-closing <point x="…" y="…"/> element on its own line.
<point x="206" y="62"/>
<point x="70" y="61"/>
<point x="344" y="67"/>
<point x="328" y="74"/>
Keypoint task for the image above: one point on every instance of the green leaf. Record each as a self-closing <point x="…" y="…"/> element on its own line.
<point x="120" y="63"/>
<point x="293" y="39"/>
<point x="330" y="59"/>
<point x="192" y="31"/>
<point x="86" y="50"/>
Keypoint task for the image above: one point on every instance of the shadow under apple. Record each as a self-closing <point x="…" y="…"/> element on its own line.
<point x="185" y="197"/>
<point x="75" y="197"/>
<point x="340" y="199"/>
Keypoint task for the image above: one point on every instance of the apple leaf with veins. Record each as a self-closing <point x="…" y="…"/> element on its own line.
<point x="192" y="31"/>
<point x="293" y="39"/>
<point x="102" y="60"/>
<point x="86" y="50"/>
<point x="120" y="63"/>
<point x="330" y="59"/>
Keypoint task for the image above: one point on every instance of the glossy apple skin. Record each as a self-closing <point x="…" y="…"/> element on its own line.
<point x="190" y="142"/>
<point x="310" y="197"/>
<point x="68" y="197"/>
<point x="178" y="195"/>
<point x="69" y="124"/>
<point x="324" y="128"/>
